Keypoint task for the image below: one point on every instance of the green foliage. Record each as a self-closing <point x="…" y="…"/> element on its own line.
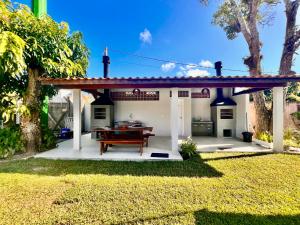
<point x="46" y="43"/>
<point x="292" y="143"/>
<point x="265" y="136"/>
<point x="292" y="138"/>
<point x="296" y="115"/>
<point x="188" y="149"/>
<point x="10" y="141"/>
<point x="293" y="92"/>
<point x="226" y="16"/>
<point x="48" y="139"/>
<point x="288" y="134"/>
<point x="293" y="98"/>
<point x="37" y="43"/>
<point x="11" y="105"/>
<point x="11" y="53"/>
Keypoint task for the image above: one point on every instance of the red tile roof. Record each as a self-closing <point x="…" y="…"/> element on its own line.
<point x="174" y="78"/>
<point x="168" y="82"/>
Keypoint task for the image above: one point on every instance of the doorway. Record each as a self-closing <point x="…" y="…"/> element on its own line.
<point x="180" y="117"/>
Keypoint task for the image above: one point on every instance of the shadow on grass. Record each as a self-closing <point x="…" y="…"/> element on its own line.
<point x="206" y="217"/>
<point x="216" y="218"/>
<point x="243" y="155"/>
<point x="190" y="168"/>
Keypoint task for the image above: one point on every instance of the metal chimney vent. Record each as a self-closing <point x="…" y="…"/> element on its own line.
<point x="221" y="100"/>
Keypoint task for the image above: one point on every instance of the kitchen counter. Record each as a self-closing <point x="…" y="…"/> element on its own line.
<point x="202" y="128"/>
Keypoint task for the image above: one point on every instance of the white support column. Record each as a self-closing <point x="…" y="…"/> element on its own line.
<point x="188" y="115"/>
<point x="242" y="114"/>
<point x="278" y="117"/>
<point x="76" y="119"/>
<point x="174" y="119"/>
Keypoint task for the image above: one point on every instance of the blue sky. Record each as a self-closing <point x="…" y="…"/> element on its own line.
<point x="177" y="30"/>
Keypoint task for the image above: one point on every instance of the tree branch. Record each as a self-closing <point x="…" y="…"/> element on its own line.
<point x="243" y="23"/>
<point x="292" y="37"/>
<point x="297" y="36"/>
<point x="297" y="45"/>
<point x="253" y="10"/>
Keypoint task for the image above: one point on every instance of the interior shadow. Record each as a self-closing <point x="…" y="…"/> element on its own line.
<point x="195" y="167"/>
<point x="215" y="218"/>
<point x="243" y="155"/>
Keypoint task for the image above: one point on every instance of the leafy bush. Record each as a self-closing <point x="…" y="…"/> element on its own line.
<point x="292" y="138"/>
<point x="48" y="139"/>
<point x="188" y="149"/>
<point x="296" y="115"/>
<point x="10" y="141"/>
<point x="291" y="143"/>
<point x="265" y="136"/>
<point x="288" y="134"/>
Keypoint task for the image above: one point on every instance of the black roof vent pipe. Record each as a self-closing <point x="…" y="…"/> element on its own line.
<point x="106" y="62"/>
<point x="218" y="67"/>
<point x="104" y="98"/>
<point x="221" y="100"/>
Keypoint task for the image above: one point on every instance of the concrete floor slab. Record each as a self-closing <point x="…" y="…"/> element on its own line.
<point x="213" y="144"/>
<point x="91" y="151"/>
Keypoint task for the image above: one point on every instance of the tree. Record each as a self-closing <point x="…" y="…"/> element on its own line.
<point x="244" y="16"/>
<point x="32" y="48"/>
<point x="292" y="37"/>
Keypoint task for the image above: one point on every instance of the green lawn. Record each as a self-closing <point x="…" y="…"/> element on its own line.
<point x="217" y="188"/>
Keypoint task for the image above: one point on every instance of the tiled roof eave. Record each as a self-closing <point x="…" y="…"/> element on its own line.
<point x="209" y="81"/>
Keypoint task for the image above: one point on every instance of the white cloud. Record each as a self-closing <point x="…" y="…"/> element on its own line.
<point x="168" y="67"/>
<point x="206" y="63"/>
<point x="191" y="71"/>
<point x="298" y="18"/>
<point x="190" y="66"/>
<point x="146" y="36"/>
<point x="196" y="73"/>
<point x="179" y="74"/>
<point x="182" y="68"/>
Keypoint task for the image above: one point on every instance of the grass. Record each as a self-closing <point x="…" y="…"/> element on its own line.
<point x="216" y="188"/>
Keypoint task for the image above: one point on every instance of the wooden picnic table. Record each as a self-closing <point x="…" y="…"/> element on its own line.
<point x="126" y="135"/>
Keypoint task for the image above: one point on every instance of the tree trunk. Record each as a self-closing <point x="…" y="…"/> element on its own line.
<point x="290" y="41"/>
<point x="30" y="123"/>
<point x="248" y="26"/>
<point x="263" y="114"/>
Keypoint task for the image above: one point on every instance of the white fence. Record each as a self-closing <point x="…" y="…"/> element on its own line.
<point x="69" y="122"/>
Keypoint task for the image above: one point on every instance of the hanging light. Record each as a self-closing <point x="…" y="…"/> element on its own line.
<point x="136" y="91"/>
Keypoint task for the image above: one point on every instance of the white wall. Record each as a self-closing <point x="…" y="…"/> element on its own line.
<point x="242" y="114"/>
<point x="188" y="115"/>
<point x="153" y="113"/>
<point x="201" y="106"/>
<point x="157" y="113"/>
<point x="87" y="99"/>
<point x="226" y="123"/>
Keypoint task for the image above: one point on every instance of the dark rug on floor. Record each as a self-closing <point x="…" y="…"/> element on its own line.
<point x="223" y="148"/>
<point x="160" y="155"/>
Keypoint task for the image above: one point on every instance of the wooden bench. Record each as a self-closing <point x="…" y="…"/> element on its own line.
<point x="146" y="138"/>
<point x="104" y="143"/>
